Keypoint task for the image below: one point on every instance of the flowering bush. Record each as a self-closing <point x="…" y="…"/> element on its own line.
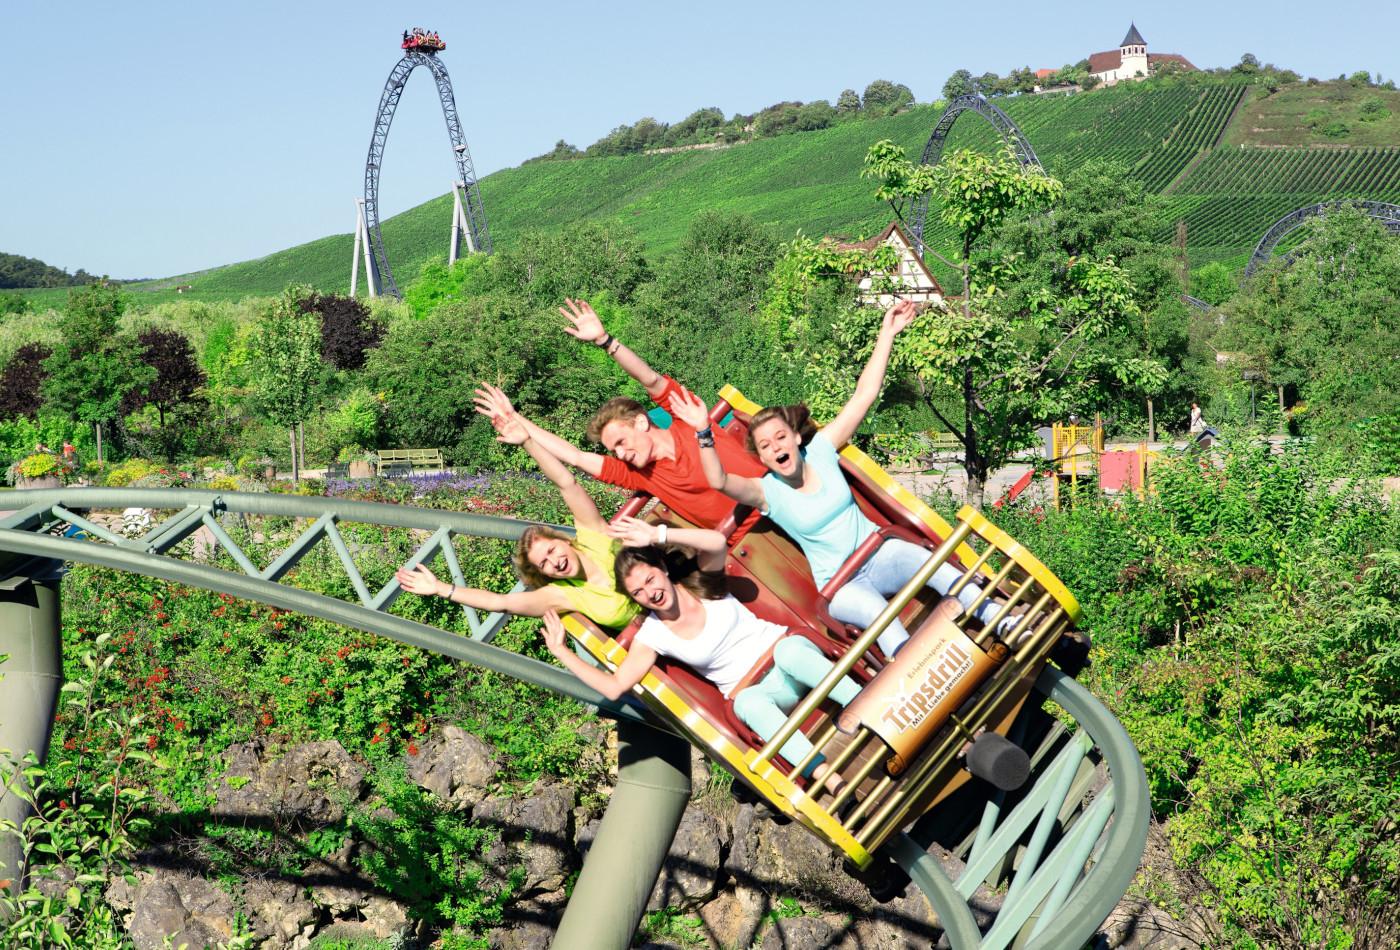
<point x="39" y="465"/>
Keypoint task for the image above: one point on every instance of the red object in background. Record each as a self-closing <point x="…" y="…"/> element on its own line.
<point x="1119" y="471"/>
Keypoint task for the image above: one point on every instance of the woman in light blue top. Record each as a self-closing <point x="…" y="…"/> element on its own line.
<point x="805" y="493"/>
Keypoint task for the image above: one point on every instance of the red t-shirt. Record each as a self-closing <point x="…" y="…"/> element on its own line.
<point x="680" y="482"/>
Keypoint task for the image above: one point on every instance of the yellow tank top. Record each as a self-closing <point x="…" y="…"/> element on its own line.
<point x="606" y="606"/>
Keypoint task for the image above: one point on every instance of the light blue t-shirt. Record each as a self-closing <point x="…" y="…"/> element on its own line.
<point x="827" y="523"/>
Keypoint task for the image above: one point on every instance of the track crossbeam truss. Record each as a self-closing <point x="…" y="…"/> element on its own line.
<point x="1056" y="899"/>
<point x="56" y="525"/>
<point x="475" y="212"/>
<point x="933" y="150"/>
<point x="1387" y="214"/>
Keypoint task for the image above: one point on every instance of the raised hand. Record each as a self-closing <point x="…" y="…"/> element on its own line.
<point x="510" y="430"/>
<point x="690" y="409"/>
<point x="899" y="316"/>
<point x="554" y="636"/>
<point x="633" y="532"/>
<point x="491" y="401"/>
<point x="418" y="580"/>
<point x="583" y="320"/>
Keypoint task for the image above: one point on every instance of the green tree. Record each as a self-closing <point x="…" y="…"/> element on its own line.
<point x="883" y="97"/>
<point x="958" y="84"/>
<point x="1213" y="282"/>
<point x="95" y="365"/>
<point x="286" y="367"/>
<point x="848" y="103"/>
<point x="1009" y="364"/>
<point x="1317" y="320"/>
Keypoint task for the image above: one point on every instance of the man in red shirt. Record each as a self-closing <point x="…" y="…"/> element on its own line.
<point x="662" y="462"/>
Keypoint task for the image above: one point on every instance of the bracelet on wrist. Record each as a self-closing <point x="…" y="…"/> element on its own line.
<point x="706" y="437"/>
<point x="661" y="534"/>
<point x="605" y="342"/>
<point x="452" y="589"/>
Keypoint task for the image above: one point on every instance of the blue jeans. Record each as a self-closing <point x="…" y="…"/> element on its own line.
<point x="885" y="572"/>
<point x="797" y="667"/>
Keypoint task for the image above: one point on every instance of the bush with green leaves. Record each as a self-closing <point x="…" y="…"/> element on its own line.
<point x="1246" y="621"/>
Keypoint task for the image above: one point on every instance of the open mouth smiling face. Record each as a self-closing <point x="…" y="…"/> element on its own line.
<point x="554" y="558"/>
<point x="777" y="447"/>
<point x="650" y="587"/>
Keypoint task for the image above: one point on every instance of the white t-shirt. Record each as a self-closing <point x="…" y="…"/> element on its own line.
<point x="727" y="647"/>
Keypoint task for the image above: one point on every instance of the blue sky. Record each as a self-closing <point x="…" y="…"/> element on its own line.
<point x="145" y="139"/>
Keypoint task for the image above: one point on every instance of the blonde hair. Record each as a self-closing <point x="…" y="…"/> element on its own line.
<point x="797" y="417"/>
<point x="617" y="409"/>
<point x="529" y="574"/>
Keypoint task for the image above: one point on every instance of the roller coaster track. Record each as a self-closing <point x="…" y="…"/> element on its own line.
<point x="466" y="173"/>
<point x="1065" y="846"/>
<point x="1387" y="214"/>
<point x="933" y="149"/>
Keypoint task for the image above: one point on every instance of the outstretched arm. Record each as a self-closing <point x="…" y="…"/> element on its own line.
<point x="688" y="408"/>
<point x="527" y="603"/>
<point x="640" y="660"/>
<point x="586" y="326"/>
<point x="709" y="546"/>
<point x="840" y="429"/>
<point x="511" y="430"/>
<point x="492" y="402"/>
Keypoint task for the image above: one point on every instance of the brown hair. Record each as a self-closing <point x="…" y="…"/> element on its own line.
<point x="798" y="418"/>
<point x="679" y="567"/>
<point x="618" y="409"/>
<point x="528" y="573"/>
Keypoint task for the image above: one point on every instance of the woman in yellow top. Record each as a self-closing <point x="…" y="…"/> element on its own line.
<point x="564" y="573"/>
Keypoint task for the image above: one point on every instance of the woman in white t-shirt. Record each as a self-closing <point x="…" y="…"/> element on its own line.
<point x="694" y="619"/>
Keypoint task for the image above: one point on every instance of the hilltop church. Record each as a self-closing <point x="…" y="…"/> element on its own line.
<point x="1130" y="60"/>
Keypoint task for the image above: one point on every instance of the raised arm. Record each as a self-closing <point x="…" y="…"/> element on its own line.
<point x="527" y="603"/>
<point x="840" y="429"/>
<point x="640" y="659"/>
<point x="585" y="325"/>
<point x="688" y="408"/>
<point x="511" y="430"/>
<point x="492" y="402"/>
<point x="709" y="546"/>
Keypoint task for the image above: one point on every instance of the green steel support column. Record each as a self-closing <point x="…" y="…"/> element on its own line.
<point x="653" y="788"/>
<point x="33" y="675"/>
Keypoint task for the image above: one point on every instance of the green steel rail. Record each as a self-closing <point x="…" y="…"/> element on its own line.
<point x="28" y="533"/>
<point x="1093" y="825"/>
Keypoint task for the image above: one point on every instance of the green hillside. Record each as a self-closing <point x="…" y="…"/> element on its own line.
<point x="1198" y="143"/>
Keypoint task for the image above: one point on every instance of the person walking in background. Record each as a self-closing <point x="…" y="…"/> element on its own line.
<point x="1198" y="424"/>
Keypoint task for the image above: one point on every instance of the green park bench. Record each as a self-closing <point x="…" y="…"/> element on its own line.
<point x="405" y="461"/>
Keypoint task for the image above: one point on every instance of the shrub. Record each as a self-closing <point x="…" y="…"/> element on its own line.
<point x="122" y="475"/>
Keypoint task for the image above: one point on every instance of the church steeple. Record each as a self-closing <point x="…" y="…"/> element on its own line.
<point x="1134" y="38"/>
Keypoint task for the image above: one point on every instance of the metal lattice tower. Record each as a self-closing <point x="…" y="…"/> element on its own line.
<point x="480" y="237"/>
<point x="933" y="150"/>
<point x="1387" y="214"/>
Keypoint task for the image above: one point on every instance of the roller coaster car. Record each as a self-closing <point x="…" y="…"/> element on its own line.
<point x="424" y="43"/>
<point x="921" y="720"/>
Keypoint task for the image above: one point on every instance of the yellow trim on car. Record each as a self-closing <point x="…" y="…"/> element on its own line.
<point x="1032" y="564"/>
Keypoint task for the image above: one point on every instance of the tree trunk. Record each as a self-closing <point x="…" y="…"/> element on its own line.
<point x="301" y="446"/>
<point x="1151" y="423"/>
<point x="97" y="428"/>
<point x="292" y="437"/>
